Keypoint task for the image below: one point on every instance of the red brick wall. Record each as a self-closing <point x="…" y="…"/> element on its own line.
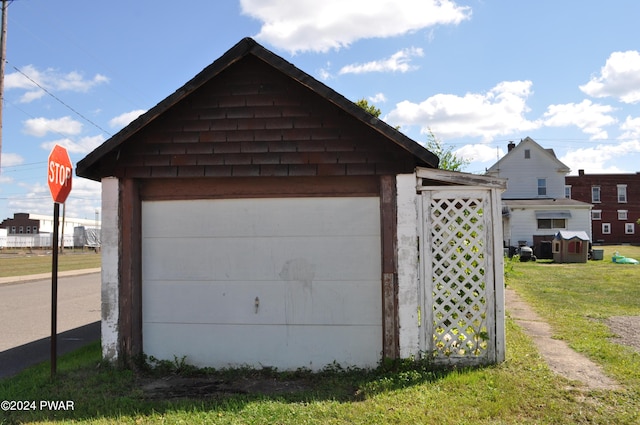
<point x="581" y="190"/>
<point x="20" y="220"/>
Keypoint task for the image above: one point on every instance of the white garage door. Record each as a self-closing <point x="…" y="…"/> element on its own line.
<point x="284" y="283"/>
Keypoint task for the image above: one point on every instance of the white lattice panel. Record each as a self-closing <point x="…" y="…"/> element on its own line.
<point x="458" y="276"/>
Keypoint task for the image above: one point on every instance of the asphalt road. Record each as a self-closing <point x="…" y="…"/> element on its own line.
<point x="25" y="318"/>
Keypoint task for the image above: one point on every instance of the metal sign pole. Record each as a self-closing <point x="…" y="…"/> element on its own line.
<point x="59" y="180"/>
<point x="54" y="291"/>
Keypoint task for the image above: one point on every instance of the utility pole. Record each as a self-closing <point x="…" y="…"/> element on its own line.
<point x="3" y="54"/>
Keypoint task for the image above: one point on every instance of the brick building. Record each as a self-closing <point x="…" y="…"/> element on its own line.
<point x="616" y="204"/>
<point x="21" y="224"/>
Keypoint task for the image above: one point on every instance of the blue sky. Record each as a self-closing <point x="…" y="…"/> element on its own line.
<point x="478" y="73"/>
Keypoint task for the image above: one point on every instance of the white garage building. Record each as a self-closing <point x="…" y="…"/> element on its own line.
<point x="256" y="217"/>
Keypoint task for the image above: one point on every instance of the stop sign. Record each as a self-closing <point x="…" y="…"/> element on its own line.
<point x="59" y="178"/>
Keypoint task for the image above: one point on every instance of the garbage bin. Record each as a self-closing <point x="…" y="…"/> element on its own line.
<point x="597" y="254"/>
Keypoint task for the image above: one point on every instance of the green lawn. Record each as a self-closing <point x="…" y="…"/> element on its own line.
<point x="21" y="263"/>
<point x="576" y="299"/>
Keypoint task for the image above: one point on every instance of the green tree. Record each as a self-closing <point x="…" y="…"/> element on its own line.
<point x="370" y="108"/>
<point x="448" y="159"/>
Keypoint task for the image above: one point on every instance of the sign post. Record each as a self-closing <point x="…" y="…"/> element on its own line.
<point x="59" y="180"/>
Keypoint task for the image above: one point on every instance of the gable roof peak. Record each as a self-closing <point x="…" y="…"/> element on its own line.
<point x="90" y="166"/>
<point x="526" y="143"/>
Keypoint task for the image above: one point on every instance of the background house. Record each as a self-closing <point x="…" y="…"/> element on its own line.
<point x="534" y="205"/>
<point x="615" y="199"/>
<point x="258" y="218"/>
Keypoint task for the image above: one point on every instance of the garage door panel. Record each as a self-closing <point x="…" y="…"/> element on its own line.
<point x="313" y="263"/>
<point x="279" y="303"/>
<point x="262" y="217"/>
<point x="267" y="258"/>
<point x="279" y="347"/>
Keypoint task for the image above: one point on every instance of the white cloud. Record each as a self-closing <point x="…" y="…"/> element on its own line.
<point x="83" y="201"/>
<point x="378" y="98"/>
<point x="500" y="111"/>
<point x="324" y="74"/>
<point x="82" y="146"/>
<point x="74" y="81"/>
<point x="631" y="126"/>
<point x="16" y="80"/>
<point x="11" y="159"/>
<point x="30" y="78"/>
<point x="619" y="78"/>
<point x="595" y="159"/>
<point x="589" y="117"/>
<point x="304" y="25"/>
<point x="39" y="127"/>
<point x="479" y="153"/>
<point x="32" y="95"/>
<point x="6" y="161"/>
<point x="398" y="62"/>
<point x="36" y="200"/>
<point x="124" y="119"/>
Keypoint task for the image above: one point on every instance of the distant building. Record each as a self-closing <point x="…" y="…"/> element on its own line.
<point x="534" y="205"/>
<point x="615" y="200"/>
<point x="30" y="224"/>
<point x="20" y="224"/>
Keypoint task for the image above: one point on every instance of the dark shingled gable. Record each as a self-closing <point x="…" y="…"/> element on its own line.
<point x="251" y="113"/>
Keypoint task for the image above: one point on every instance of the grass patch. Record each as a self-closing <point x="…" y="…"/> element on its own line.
<point x="22" y="263"/>
<point x="576" y="299"/>
<point x="521" y="390"/>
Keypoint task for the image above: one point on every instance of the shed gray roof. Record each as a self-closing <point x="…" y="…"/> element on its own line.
<point x="569" y="234"/>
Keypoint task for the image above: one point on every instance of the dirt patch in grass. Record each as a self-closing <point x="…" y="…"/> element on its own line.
<point x="174" y="387"/>
<point x="626" y="330"/>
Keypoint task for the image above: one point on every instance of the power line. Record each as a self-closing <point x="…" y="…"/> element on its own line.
<point x="52" y="130"/>
<point x="60" y="100"/>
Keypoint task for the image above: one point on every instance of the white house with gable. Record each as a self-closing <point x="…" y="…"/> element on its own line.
<point x="535" y="207"/>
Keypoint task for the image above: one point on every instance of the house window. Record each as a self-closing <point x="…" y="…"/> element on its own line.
<point x="629" y="228"/>
<point x="542" y="187"/>
<point x="575" y="247"/>
<point x="596" y="214"/>
<point x="552" y="223"/>
<point x="622" y="193"/>
<point x="622" y="214"/>
<point x="556" y="247"/>
<point x="595" y="194"/>
<point x="21" y="230"/>
<point x="29" y="229"/>
<point x="567" y="192"/>
<point x="13" y="229"/>
<point x="35" y="229"/>
<point x="606" y="228"/>
<point x="527" y="153"/>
